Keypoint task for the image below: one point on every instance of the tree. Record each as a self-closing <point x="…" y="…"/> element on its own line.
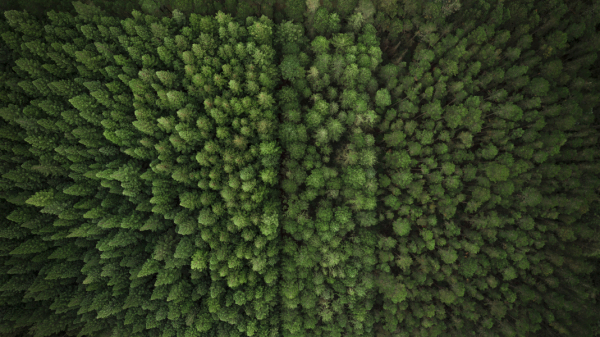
<point x="537" y="87"/>
<point x="350" y="76"/>
<point x="454" y="115"/>
<point x="356" y="22"/>
<point x="262" y="31"/>
<point x="321" y="21"/>
<point x="489" y="152"/>
<point x="402" y="227"/>
<point x="497" y="172"/>
<point x="498" y="95"/>
<point x="382" y="98"/>
<point x="290" y="68"/>
<point x="320" y="45"/>
<point x="345" y="7"/>
<point x="433" y="110"/>
<point x="509" y="111"/>
<point x="449" y="67"/>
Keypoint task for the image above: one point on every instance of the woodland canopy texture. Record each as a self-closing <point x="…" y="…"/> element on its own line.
<point x="300" y="168"/>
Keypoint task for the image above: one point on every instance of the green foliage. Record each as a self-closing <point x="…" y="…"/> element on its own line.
<point x="41" y="198"/>
<point x="402" y="227"/>
<point x="497" y="172"/>
<point x="446" y="296"/>
<point x="448" y="256"/>
<point x="326" y="168"/>
<point x="291" y="68"/>
<point x="382" y="98"/>
<point x="355" y="177"/>
<point x="320" y="45"/>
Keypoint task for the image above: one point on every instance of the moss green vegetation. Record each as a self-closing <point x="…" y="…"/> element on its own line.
<point x="300" y="168"/>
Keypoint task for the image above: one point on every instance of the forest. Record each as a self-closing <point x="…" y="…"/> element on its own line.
<point x="201" y="168"/>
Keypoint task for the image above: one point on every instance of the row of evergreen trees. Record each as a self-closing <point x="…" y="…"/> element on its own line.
<point x="329" y="168"/>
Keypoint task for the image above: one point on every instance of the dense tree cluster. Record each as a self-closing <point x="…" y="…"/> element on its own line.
<point x="486" y="228"/>
<point x="301" y="168"/>
<point x="187" y="151"/>
<point x="329" y="179"/>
